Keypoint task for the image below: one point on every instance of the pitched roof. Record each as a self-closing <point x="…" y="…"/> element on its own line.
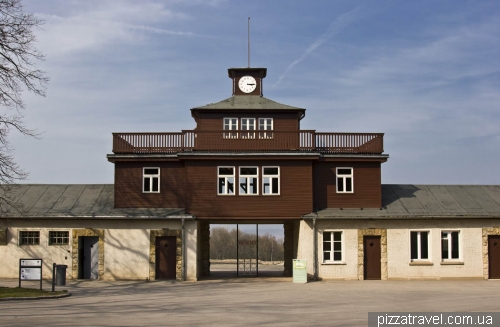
<point x="242" y="102"/>
<point x="78" y="201"/>
<point x="426" y="202"/>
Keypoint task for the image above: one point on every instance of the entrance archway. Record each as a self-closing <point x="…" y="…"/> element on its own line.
<point x="241" y="250"/>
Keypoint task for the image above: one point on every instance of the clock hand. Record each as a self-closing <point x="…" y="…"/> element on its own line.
<point x="250" y="84"/>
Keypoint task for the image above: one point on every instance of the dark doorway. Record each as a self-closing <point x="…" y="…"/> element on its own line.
<point x="494" y="256"/>
<point x="372" y="257"/>
<point x="88" y="257"/>
<point x="166" y="253"/>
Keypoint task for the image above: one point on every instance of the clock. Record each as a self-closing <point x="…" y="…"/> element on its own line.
<point x="247" y="84"/>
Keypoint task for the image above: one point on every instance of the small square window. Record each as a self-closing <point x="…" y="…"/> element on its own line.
<point x="29" y="238"/>
<point x="151" y="180"/>
<point x="58" y="237"/>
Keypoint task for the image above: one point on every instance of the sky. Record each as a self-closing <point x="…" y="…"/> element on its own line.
<point x="425" y="73"/>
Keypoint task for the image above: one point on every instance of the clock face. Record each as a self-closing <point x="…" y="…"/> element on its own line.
<point x="247" y="84"/>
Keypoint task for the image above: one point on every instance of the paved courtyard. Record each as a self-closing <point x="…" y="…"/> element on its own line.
<point x="244" y="301"/>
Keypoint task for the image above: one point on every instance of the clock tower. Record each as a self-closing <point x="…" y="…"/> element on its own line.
<point x="247" y="81"/>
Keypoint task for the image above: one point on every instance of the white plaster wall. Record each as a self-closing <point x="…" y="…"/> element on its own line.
<point x="12" y="252"/>
<point x="191" y="234"/>
<point x="126" y="254"/>
<point x="126" y="248"/>
<point x="348" y="269"/>
<point x="305" y="244"/>
<point x="470" y="264"/>
<point x="398" y="247"/>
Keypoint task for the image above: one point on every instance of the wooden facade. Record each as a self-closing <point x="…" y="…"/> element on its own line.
<point x="188" y="161"/>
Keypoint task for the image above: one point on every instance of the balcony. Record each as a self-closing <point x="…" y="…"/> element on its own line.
<point x="248" y="141"/>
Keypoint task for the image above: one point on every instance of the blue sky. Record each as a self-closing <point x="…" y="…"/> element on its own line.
<point x="425" y="73"/>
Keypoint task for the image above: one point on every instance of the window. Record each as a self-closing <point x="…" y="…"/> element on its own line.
<point x="58" y="238"/>
<point x="29" y="238"/>
<point x="226" y="180"/>
<point x="419" y="244"/>
<point x="248" y="124"/>
<point x="271" y="180"/>
<point x="344" y="180"/>
<point x="249" y="180"/>
<point x="230" y="124"/>
<point x="332" y="246"/>
<point x="151" y="180"/>
<point x="450" y="248"/>
<point x="265" y="124"/>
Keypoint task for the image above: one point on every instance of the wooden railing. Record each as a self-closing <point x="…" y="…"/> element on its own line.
<point x="244" y="141"/>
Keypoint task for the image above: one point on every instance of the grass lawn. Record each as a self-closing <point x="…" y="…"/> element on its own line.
<point x="26" y="292"/>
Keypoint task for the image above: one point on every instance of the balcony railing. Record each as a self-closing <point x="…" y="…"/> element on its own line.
<point x="248" y="141"/>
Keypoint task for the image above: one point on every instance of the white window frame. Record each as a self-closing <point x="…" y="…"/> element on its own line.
<point x="29" y="237"/>
<point x="150" y="177"/>
<point x="59" y="238"/>
<point x="271" y="177"/>
<point x="332" y="251"/>
<point x="248" y="124"/>
<point x="232" y="124"/>
<point x="450" y="245"/>
<point x="248" y="180"/>
<point x="419" y="245"/>
<point x="264" y="126"/>
<point x="226" y="177"/>
<point x="344" y="180"/>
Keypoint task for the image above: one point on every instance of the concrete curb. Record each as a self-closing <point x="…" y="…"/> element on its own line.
<point x="35" y="298"/>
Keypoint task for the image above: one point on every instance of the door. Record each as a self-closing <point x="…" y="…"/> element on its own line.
<point x="166" y="257"/>
<point x="494" y="256"/>
<point x="89" y="257"/>
<point x="372" y="257"/>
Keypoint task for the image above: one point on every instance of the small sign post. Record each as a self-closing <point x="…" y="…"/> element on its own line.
<point x="30" y="269"/>
<point x="299" y="271"/>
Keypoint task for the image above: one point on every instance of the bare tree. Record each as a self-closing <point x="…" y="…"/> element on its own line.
<point x="17" y="73"/>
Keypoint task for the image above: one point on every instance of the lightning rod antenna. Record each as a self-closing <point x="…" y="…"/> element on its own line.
<point x="248" y="42"/>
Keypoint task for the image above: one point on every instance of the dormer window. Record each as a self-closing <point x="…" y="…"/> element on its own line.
<point x="247" y="124"/>
<point x="265" y="124"/>
<point x="230" y="124"/>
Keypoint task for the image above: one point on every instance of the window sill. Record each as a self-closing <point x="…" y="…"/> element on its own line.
<point x="451" y="263"/>
<point x="421" y="263"/>
<point x="334" y="263"/>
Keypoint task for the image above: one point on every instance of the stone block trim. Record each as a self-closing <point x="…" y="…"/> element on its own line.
<point x="383" y="248"/>
<point x="76" y="233"/>
<point x="486" y="233"/>
<point x="152" y="251"/>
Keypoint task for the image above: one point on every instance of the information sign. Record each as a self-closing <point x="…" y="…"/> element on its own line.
<point x="30" y="269"/>
<point x="299" y="271"/>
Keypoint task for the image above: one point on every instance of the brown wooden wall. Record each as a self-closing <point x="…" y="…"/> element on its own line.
<point x="295" y="197"/>
<point x="281" y="121"/>
<point x="128" y="185"/>
<point x="367" y="186"/>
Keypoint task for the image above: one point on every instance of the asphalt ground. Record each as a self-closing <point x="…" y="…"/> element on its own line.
<point x="244" y="302"/>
